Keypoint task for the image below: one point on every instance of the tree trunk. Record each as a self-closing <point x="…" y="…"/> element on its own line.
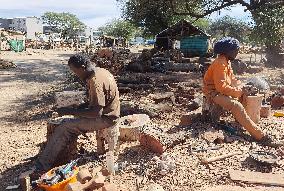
<point x="274" y="56"/>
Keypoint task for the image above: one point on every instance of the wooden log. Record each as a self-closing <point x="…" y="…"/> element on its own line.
<point x="221" y="157"/>
<point x="265" y="111"/>
<point x="135" y="86"/>
<point x="129" y="126"/>
<point x="154" y="139"/>
<point x="160" y="97"/>
<point x="277" y="101"/>
<point x="253" y="106"/>
<point x="70" y="151"/>
<point x="257" y="177"/>
<point x="182" y="67"/>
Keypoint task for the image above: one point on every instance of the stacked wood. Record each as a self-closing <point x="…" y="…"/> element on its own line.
<point x="112" y="60"/>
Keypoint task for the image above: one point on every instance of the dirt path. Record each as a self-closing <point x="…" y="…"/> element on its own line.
<point x="20" y="89"/>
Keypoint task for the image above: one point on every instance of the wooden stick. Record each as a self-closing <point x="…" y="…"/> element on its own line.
<point x="221" y="157"/>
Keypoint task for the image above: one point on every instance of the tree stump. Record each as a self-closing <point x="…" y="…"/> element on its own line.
<point x="130" y="126"/>
<point x="70" y="151"/>
<point x="253" y="107"/>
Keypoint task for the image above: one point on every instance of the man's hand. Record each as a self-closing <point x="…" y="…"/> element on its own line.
<point x="65" y="111"/>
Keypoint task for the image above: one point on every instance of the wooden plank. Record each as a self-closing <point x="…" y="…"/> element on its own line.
<point x="257" y="177"/>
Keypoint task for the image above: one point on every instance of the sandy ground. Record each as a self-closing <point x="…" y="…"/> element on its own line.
<point x="22" y="131"/>
<point x="25" y="109"/>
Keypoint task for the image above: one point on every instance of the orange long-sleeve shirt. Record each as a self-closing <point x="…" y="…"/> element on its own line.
<point x="219" y="78"/>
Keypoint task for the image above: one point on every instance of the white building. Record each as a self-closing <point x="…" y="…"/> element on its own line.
<point x="31" y="26"/>
<point x="86" y="36"/>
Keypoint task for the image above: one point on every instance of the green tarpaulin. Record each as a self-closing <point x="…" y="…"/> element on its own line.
<point x="16" y="45"/>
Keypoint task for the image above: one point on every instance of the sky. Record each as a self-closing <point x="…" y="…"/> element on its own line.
<point x="93" y="13"/>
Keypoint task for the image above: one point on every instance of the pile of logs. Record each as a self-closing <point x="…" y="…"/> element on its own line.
<point x="113" y="60"/>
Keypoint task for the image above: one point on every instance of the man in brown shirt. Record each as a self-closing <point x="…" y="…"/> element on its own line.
<point x="102" y="112"/>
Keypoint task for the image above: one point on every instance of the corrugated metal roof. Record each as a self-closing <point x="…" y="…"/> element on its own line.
<point x="182" y="28"/>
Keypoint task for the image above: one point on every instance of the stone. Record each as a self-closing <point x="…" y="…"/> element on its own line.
<point x="159" y="97"/>
<point x="157" y="140"/>
<point x="99" y="180"/>
<point x="152" y="143"/>
<point x="213" y="136"/>
<point x="188" y="119"/>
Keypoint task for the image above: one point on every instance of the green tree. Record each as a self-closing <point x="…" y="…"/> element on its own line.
<point x="269" y="31"/>
<point x="228" y="26"/>
<point x="67" y="24"/>
<point x="151" y="16"/>
<point x="119" y="28"/>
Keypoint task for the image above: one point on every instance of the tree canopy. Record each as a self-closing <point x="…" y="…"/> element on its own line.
<point x="65" y="23"/>
<point x="269" y="26"/>
<point x="119" y="28"/>
<point x="152" y="16"/>
<point x="228" y="26"/>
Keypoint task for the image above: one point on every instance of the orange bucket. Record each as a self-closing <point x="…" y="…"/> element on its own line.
<point x="60" y="186"/>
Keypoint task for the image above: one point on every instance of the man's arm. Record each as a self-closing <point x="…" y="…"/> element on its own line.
<point x="222" y="86"/>
<point x="93" y="112"/>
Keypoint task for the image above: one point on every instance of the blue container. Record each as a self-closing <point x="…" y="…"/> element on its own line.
<point x="194" y="45"/>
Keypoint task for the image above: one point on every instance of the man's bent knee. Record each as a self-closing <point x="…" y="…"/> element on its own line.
<point x="236" y="105"/>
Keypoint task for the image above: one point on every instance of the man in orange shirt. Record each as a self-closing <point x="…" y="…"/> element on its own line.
<point x="222" y="88"/>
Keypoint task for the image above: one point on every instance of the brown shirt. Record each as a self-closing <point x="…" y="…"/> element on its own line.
<point x="103" y="92"/>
